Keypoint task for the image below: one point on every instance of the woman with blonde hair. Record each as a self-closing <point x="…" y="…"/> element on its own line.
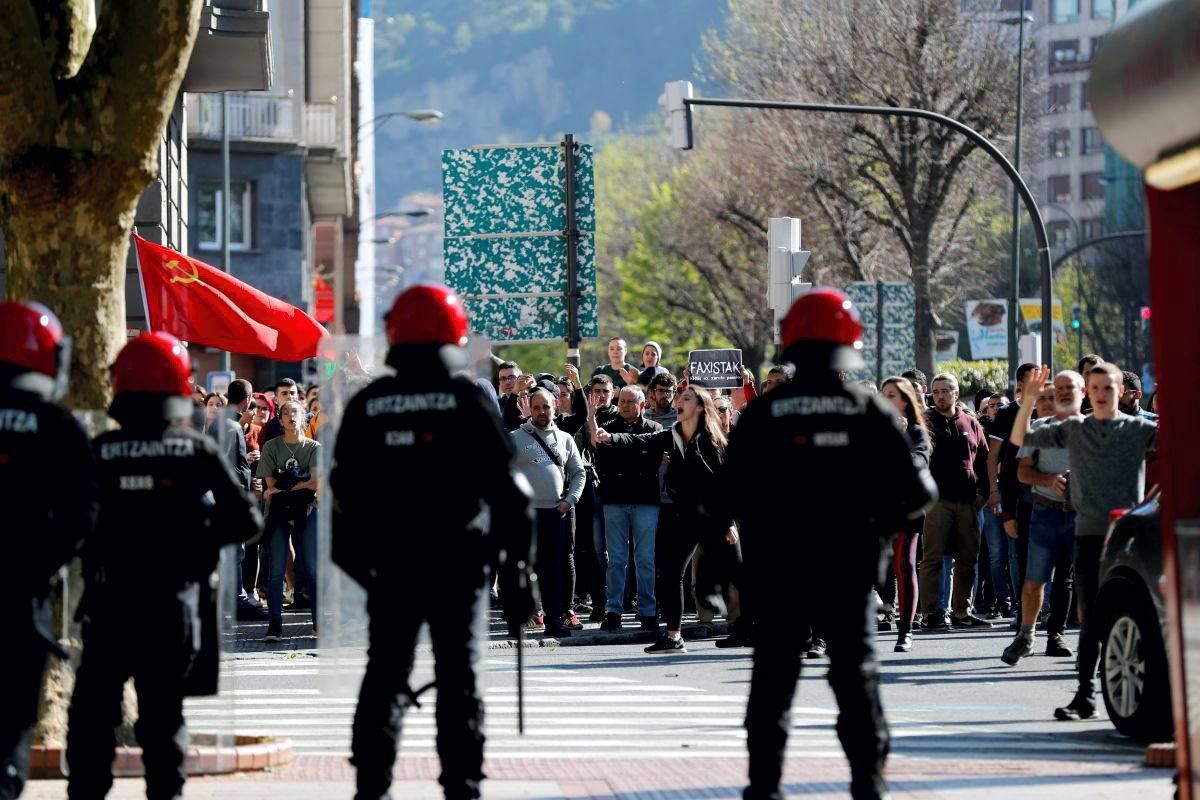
<point x="695" y="448"/>
<point x="899" y="393"/>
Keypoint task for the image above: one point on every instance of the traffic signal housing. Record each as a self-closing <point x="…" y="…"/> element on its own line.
<point x="679" y="113"/>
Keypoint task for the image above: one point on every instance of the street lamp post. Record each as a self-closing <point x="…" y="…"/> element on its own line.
<point x="401" y="212"/>
<point x="680" y="103"/>
<point x="1014" y="276"/>
<point x="426" y="115"/>
<point x="365" y="267"/>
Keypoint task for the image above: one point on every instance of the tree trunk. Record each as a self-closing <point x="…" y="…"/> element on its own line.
<point x="67" y="249"/>
<point x="923" y="302"/>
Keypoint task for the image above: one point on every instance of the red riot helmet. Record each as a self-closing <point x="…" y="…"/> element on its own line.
<point x="821" y="319"/>
<point x="153" y="363"/>
<point x="427" y="313"/>
<point x="33" y="347"/>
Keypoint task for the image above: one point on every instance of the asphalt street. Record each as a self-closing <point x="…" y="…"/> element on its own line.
<point x="950" y="701"/>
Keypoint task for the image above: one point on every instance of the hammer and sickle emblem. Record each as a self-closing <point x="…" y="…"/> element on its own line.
<point x="186" y="277"/>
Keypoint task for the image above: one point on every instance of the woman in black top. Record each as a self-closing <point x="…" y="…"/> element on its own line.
<point x="899" y="392"/>
<point x="695" y="448"/>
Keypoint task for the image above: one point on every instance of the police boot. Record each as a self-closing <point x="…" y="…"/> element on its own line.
<point x="870" y="786"/>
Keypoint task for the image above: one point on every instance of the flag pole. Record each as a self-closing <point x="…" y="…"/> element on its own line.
<point x="137" y="258"/>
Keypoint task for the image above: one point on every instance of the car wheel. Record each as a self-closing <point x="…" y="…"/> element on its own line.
<point x="1134" y="675"/>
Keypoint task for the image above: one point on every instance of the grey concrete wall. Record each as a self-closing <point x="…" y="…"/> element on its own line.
<point x="275" y="262"/>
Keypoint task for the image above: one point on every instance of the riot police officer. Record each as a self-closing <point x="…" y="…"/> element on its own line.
<point x="48" y="492"/>
<point x="839" y="446"/>
<point x="168" y="502"/>
<point x="406" y="440"/>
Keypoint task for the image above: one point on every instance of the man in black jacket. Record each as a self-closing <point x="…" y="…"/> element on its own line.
<point x="401" y="443"/>
<point x="168" y="503"/>
<point x="841" y="446"/>
<point x="629" y="493"/>
<point x="48" y="490"/>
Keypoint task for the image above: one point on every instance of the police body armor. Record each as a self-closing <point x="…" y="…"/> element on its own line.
<point x="169" y="503"/>
<point x="416" y="437"/>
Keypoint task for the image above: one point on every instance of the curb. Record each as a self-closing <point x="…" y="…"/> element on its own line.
<point x="594" y="637"/>
<point x="205" y="757"/>
<point x="1161" y="755"/>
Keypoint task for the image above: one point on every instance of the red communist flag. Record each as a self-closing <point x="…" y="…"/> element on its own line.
<point x="198" y="303"/>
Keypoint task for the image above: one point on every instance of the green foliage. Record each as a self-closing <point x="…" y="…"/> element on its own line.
<point x="658" y="252"/>
<point x="975" y="375"/>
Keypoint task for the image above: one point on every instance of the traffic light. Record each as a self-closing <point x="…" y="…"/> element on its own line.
<point x="679" y="114"/>
<point x="1076" y="317"/>
<point x="1145" y="318"/>
<point x="785" y="264"/>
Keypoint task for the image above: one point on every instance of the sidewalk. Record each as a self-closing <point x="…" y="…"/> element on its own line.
<point x="330" y="778"/>
<point x="298" y="634"/>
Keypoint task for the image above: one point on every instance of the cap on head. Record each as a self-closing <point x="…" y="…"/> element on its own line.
<point x="427" y="313"/>
<point x="30" y="337"/>
<point x="153" y="363"/>
<point x="824" y="316"/>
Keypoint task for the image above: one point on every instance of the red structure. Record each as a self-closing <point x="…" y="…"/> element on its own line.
<point x="1145" y="93"/>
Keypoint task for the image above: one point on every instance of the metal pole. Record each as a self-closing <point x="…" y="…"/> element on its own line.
<point x="1039" y="225"/>
<point x="878" y="333"/>
<point x="572" y="236"/>
<point x="1014" y="275"/>
<point x="225" y="215"/>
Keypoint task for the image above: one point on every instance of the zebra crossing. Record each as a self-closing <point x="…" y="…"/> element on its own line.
<point x="568" y="712"/>
<point x="571" y="713"/>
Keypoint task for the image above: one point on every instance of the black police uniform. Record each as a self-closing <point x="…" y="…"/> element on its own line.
<point x="168" y="502"/>
<point x="48" y="493"/>
<point x="839" y="447"/>
<point x="423" y="449"/>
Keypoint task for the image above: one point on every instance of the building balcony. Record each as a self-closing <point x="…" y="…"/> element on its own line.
<point x="1079" y="63"/>
<point x="252" y="117"/>
<point x="233" y="49"/>
<point x="327" y="163"/>
<point x="323" y="125"/>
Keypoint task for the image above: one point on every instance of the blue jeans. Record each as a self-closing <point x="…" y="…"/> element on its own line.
<point x="278" y="533"/>
<point x="1002" y="557"/>
<point x="621" y="522"/>
<point x="1051" y="542"/>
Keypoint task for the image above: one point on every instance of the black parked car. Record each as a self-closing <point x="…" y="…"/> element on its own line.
<point x="1132" y="619"/>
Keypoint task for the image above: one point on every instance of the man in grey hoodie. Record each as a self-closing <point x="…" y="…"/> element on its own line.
<point x="550" y="461"/>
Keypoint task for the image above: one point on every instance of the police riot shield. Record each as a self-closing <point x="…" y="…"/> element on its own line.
<point x="210" y="706"/>
<point x="347" y="364"/>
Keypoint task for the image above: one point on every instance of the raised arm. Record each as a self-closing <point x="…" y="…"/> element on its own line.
<point x="1033" y="383"/>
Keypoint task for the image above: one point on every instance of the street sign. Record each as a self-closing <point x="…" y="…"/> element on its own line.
<point x="888" y="313"/>
<point x="219" y="380"/>
<point x="987" y="328"/>
<point x="1031" y="310"/>
<point x="945" y="345"/>
<point x="506" y="240"/>
<point x="715" y="369"/>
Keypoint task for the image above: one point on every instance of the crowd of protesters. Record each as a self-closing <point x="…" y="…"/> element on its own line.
<point x="627" y="462"/>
